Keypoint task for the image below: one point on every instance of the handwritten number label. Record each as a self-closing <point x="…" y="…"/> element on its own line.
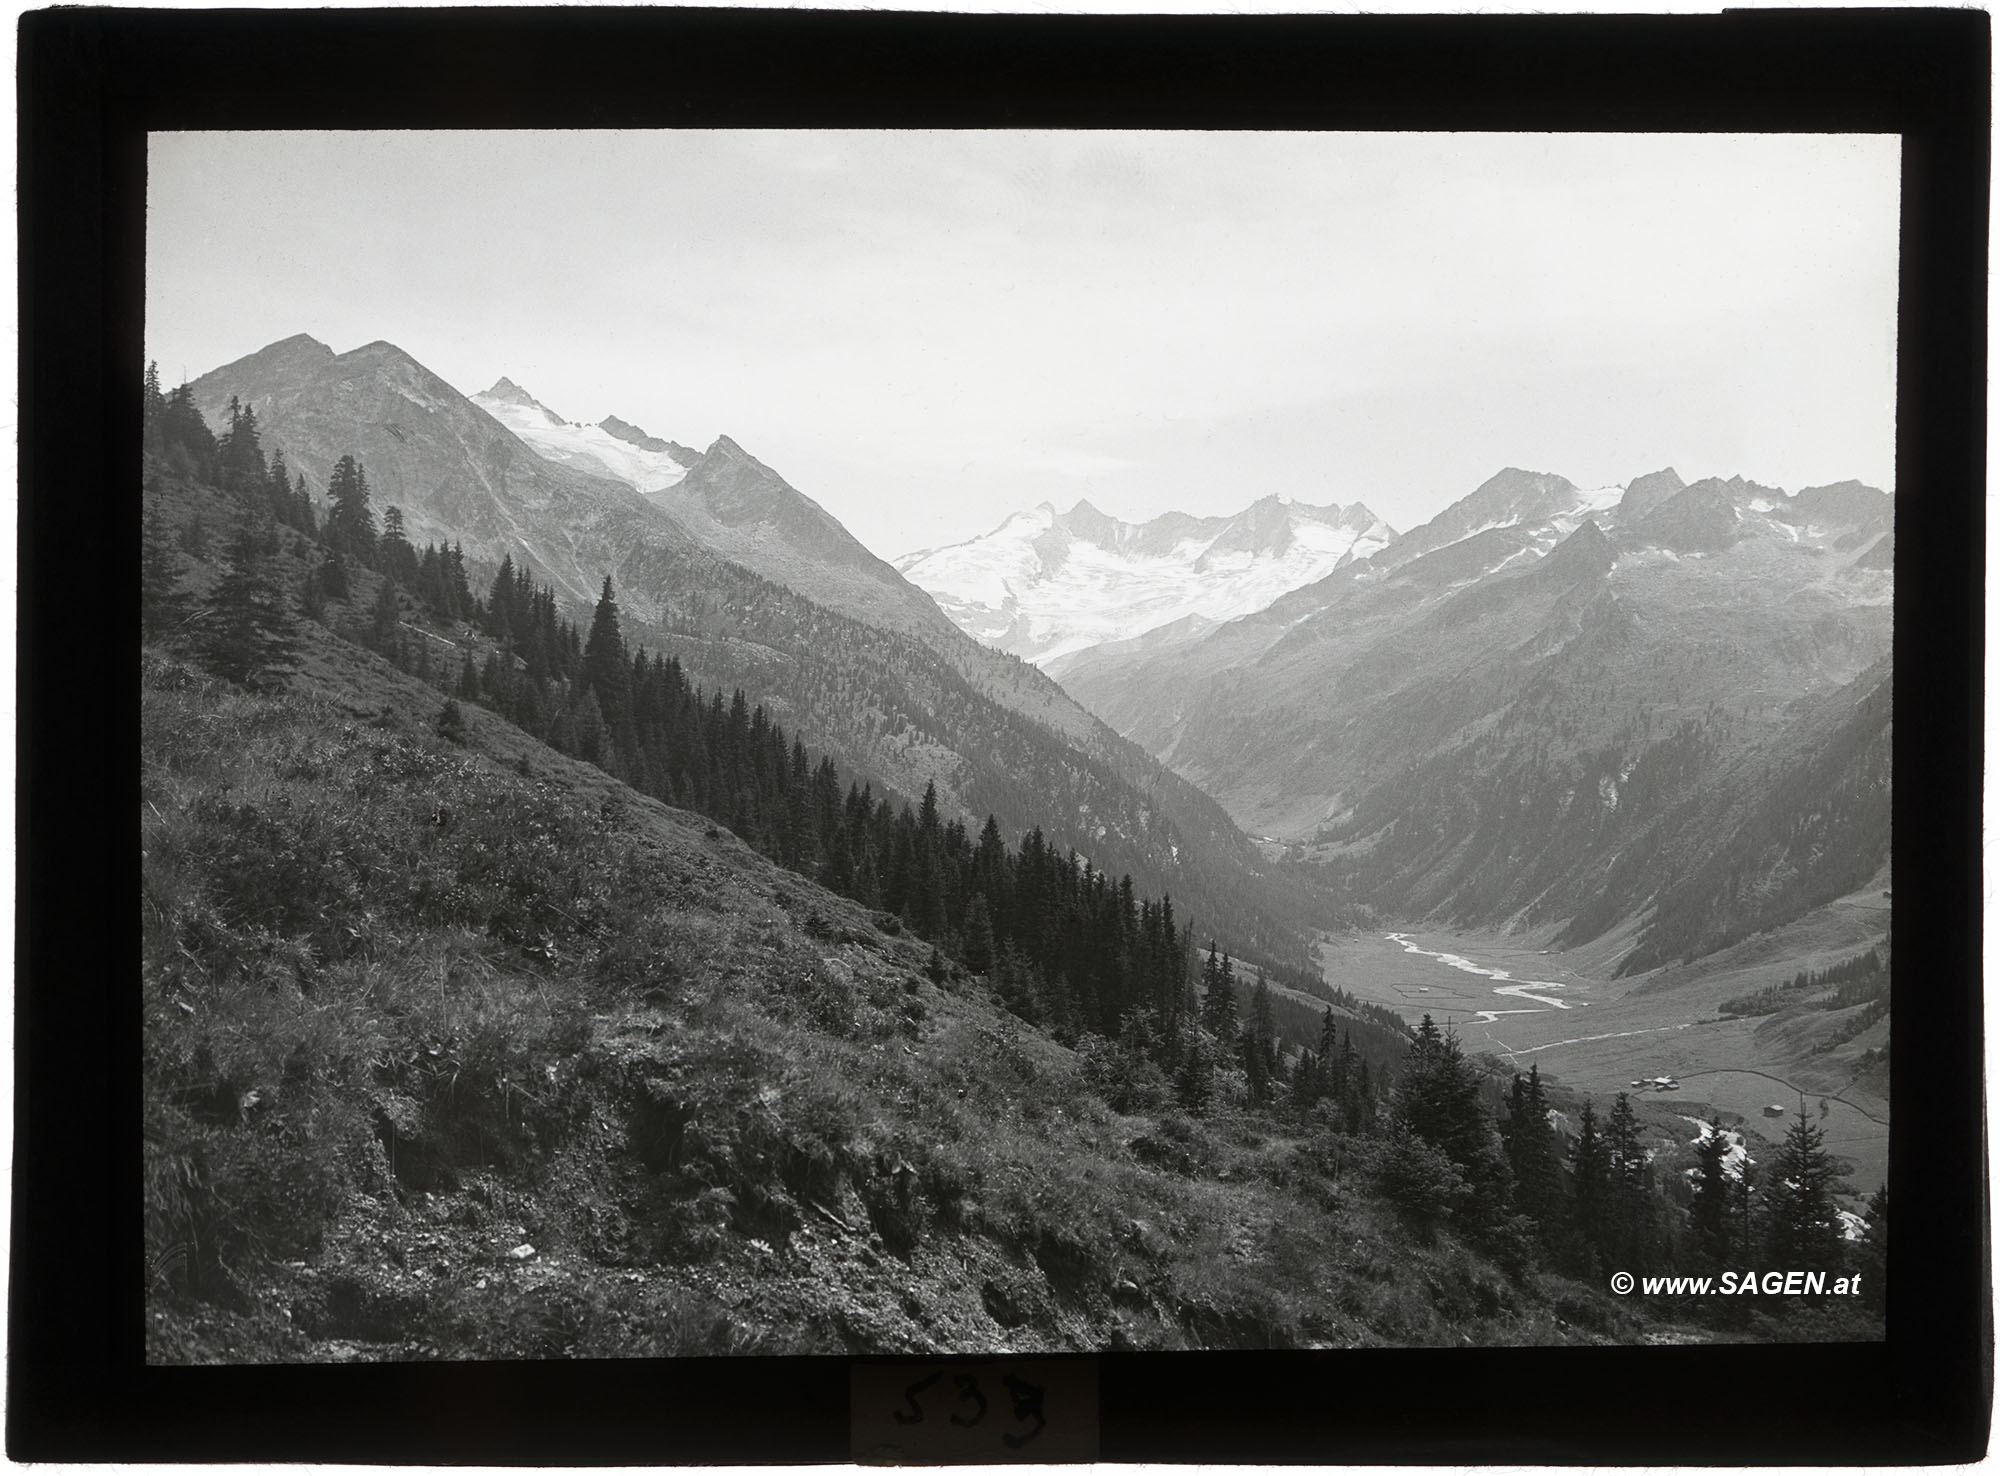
<point x="910" y="1394"/>
<point x="968" y="1388"/>
<point x="1027" y="1406"/>
<point x="1031" y="1409"/>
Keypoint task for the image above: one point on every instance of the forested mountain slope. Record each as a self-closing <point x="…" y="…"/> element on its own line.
<point x="754" y="585"/>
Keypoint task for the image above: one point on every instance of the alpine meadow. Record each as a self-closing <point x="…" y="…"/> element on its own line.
<point x="1221" y="856"/>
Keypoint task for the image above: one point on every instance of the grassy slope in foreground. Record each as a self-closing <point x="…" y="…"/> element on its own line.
<point x="412" y="1006"/>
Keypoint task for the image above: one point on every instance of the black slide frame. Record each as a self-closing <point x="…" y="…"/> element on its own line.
<point x="92" y="82"/>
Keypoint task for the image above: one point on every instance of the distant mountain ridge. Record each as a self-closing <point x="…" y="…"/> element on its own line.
<point x="1046" y="584"/>
<point x="1549" y="703"/>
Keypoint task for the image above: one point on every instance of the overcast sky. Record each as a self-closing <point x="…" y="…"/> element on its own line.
<point x="927" y="331"/>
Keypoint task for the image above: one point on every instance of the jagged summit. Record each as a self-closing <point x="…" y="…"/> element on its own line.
<point x="632" y="435"/>
<point x="1643" y="494"/>
<point x="505" y="389"/>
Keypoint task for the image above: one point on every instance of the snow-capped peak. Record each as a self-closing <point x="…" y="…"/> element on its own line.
<point x="1046" y="583"/>
<point x="612" y="448"/>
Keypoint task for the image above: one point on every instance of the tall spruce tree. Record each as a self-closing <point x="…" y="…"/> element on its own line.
<point x="239" y="454"/>
<point x="978" y="935"/>
<point x="1532" y="1154"/>
<point x="394" y="555"/>
<point x="1709" y="1213"/>
<point x="163" y="606"/>
<point x="247" y="633"/>
<point x="1260" y="1045"/>
<point x="153" y="408"/>
<point x="1590" y="1187"/>
<point x="350" y="526"/>
<point x="1218" y="1004"/>
<point x="607" y="670"/>
<point x="1801" y="1228"/>
<point x="1629" y="1231"/>
<point x="190" y="445"/>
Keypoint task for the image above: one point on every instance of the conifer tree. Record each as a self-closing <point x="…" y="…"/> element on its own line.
<point x="1531" y="1152"/>
<point x="1256" y="1066"/>
<point x="1306" y="1081"/>
<point x="1260" y="1053"/>
<point x="153" y="405"/>
<point x="1194" y="1078"/>
<point x="350" y="526"/>
<point x="1265" y="1027"/>
<point x="1802" y="1229"/>
<point x="1590" y="1176"/>
<point x="1218" y="1005"/>
<point x="163" y="606"/>
<point x="393" y="553"/>
<point x="385" y="621"/>
<point x="1629" y="1230"/>
<point x="278" y="490"/>
<point x="306" y="520"/>
<point x="978" y="935"/>
<point x="607" y="670"/>
<point x="247" y="634"/>
<point x="190" y="445"/>
<point x="1709" y="1213"/>
<point x="239" y="456"/>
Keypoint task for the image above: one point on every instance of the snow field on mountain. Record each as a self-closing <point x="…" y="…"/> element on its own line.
<point x="1042" y="592"/>
<point x="587" y="448"/>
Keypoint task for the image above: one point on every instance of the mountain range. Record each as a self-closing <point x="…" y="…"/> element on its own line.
<point x="1588" y="710"/>
<point x="1047" y="584"/>
<point x="752" y="584"/>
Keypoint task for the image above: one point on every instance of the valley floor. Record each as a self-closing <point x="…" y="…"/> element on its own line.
<point x="1525" y="1004"/>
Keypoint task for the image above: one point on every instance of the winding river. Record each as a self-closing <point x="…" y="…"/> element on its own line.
<point x="1517" y="989"/>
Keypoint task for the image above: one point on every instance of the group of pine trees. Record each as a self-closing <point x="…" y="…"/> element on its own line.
<point x="1592" y="1206"/>
<point x="244" y="624"/>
